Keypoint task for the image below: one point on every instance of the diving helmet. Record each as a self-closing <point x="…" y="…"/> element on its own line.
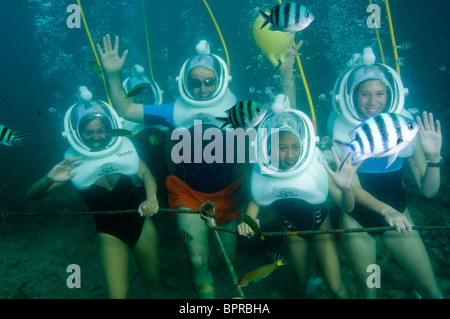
<point x="344" y="99"/>
<point x="151" y="95"/>
<point x="85" y="111"/>
<point x="280" y="122"/>
<point x="210" y="61"/>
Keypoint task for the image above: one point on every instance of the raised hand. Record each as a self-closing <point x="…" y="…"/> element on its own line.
<point x="289" y="57"/>
<point x="430" y="136"/>
<point x="343" y="178"/>
<point x="111" y="60"/>
<point x="63" y="171"/>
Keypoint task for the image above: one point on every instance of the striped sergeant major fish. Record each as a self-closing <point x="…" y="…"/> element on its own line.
<point x="288" y="17"/>
<point x="244" y="114"/>
<point x="383" y="134"/>
<point x="7" y="137"/>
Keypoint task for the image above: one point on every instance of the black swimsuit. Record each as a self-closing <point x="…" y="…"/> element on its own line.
<point x="125" y="196"/>
<point x="386" y="187"/>
<point x="299" y="215"/>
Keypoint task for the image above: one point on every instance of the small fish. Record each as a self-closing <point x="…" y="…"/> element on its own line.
<point x="93" y="65"/>
<point x="383" y="134"/>
<point x="206" y="288"/>
<point x="404" y="46"/>
<point x="185" y="236"/>
<point x="274" y="256"/>
<point x="2" y="184"/>
<point x="58" y="94"/>
<point x="252" y="223"/>
<point x="154" y="139"/>
<point x="323" y="97"/>
<point x="259" y="273"/>
<point x="244" y="114"/>
<point x="120" y="132"/>
<point x="288" y="17"/>
<point x="8" y="138"/>
<point x="136" y="91"/>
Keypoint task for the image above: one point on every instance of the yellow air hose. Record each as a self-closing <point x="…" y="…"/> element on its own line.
<point x="220" y="33"/>
<point x="379" y="40"/>
<point x="391" y="28"/>
<point x="308" y="95"/>
<point x="93" y="49"/>
<point x="148" y="42"/>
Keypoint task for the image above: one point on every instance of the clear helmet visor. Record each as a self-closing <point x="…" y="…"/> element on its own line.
<point x="348" y="91"/>
<point x="203" y="80"/>
<point x="88" y="126"/>
<point x="286" y="143"/>
<point x="142" y="90"/>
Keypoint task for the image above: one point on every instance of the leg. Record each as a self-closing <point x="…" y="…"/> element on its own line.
<point x="114" y="257"/>
<point x="361" y="251"/>
<point x="146" y="254"/>
<point x="411" y="254"/>
<point x="297" y="249"/>
<point x="198" y="250"/>
<point x="327" y="256"/>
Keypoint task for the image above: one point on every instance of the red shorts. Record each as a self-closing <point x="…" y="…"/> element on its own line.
<point x="181" y="194"/>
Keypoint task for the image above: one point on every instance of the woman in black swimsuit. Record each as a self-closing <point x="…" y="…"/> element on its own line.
<point x="118" y="233"/>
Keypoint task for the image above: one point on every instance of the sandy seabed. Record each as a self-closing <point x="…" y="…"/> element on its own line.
<point x="36" y="251"/>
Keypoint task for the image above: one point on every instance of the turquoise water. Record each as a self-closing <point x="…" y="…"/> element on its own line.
<point x="43" y="62"/>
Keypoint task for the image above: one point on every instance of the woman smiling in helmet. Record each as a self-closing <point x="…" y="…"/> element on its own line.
<point x="363" y="91"/>
<point x="290" y="177"/>
<point x="109" y="176"/>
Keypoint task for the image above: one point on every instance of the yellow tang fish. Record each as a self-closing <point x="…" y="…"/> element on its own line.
<point x="259" y="273"/>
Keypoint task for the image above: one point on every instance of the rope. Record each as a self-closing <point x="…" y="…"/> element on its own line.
<point x="228" y="263"/>
<point x="84" y="213"/>
<point x="208" y="207"/>
<point x="333" y="231"/>
<point x="220" y="33"/>
<point x="148" y="42"/>
<point x="93" y="49"/>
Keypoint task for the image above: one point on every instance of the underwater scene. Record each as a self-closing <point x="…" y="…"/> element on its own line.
<point x="56" y="59"/>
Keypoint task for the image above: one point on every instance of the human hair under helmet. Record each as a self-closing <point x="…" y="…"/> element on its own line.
<point x="211" y="62"/>
<point x="344" y="101"/>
